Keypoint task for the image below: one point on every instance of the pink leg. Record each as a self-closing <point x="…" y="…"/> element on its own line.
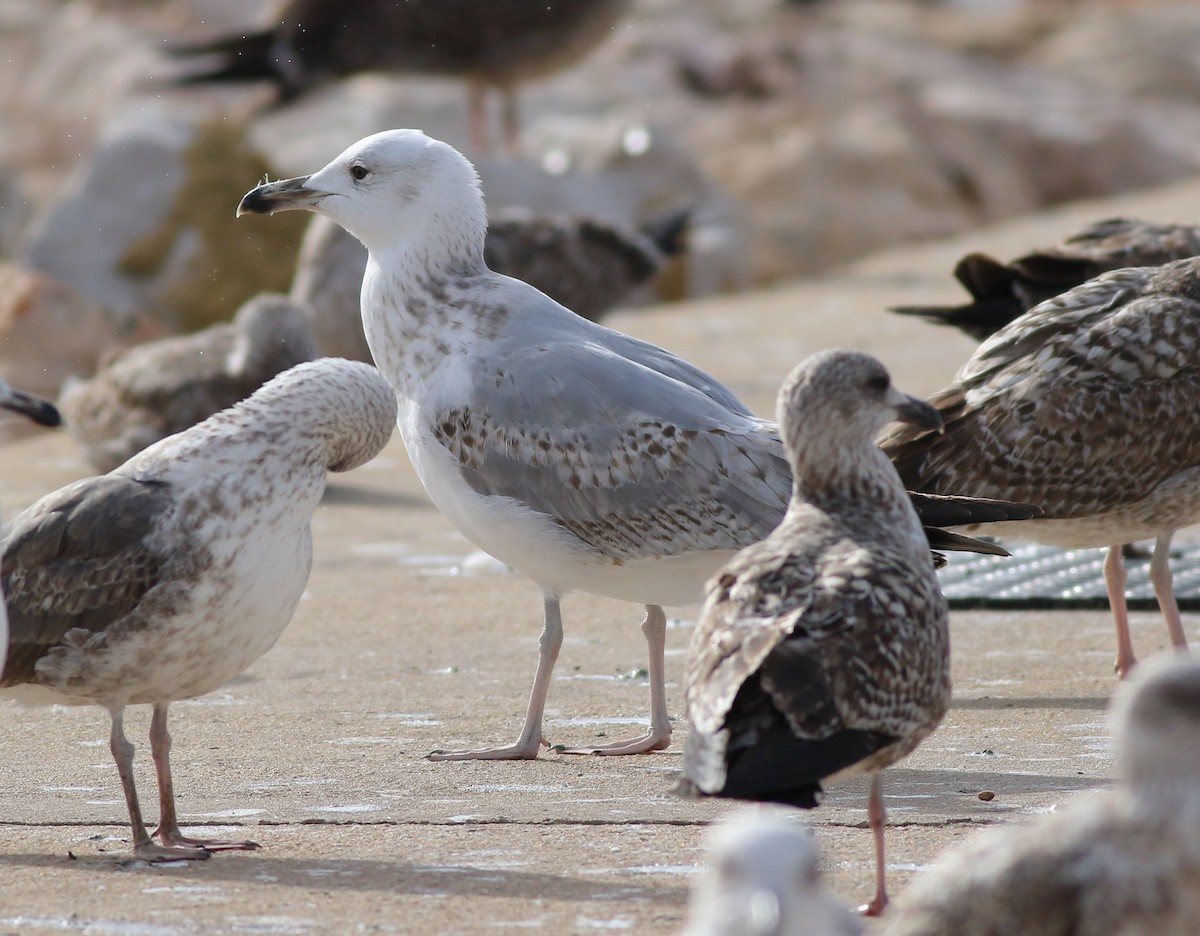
<point x="531" y="740"/>
<point x="477" y="116"/>
<point x="1114" y="581"/>
<point x="168" y="824"/>
<point x="143" y="847"/>
<point x="1164" y="590"/>
<point x="877" y="818"/>
<point x="658" y="738"/>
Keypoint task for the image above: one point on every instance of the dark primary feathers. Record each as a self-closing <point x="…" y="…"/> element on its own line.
<point x="82" y="559"/>
<point x="1001" y="292"/>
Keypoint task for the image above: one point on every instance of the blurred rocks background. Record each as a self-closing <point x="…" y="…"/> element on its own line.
<point x="796" y="136"/>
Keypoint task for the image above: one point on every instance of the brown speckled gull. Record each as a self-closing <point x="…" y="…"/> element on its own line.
<point x="583" y="458"/>
<point x="824" y="650"/>
<point x="167" y="577"/>
<point x="1088" y="406"/>
<point x="151" y="390"/>
<point x="1124" y="862"/>
<point x="492" y="44"/>
<point x="763" y="879"/>
<point x="1002" y="291"/>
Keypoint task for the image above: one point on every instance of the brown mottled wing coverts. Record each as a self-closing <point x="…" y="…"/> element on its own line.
<point x="79" y="559"/>
<point x="1086" y="401"/>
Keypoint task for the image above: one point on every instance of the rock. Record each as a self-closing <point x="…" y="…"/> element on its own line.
<point x="148" y="225"/>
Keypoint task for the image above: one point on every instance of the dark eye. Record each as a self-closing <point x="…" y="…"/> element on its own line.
<point x="878" y="383"/>
<point x="359" y="172"/>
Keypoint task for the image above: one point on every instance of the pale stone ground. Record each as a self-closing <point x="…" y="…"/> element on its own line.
<point x="316" y="752"/>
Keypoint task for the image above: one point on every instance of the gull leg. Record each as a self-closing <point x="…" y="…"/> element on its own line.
<point x="877" y="818"/>
<point x="658" y="738"/>
<point x="477" y="128"/>
<point x="527" y="745"/>
<point x="143" y="847"/>
<point x="1114" y="581"/>
<point x="511" y="121"/>
<point x="1164" y="590"/>
<point x="168" y="823"/>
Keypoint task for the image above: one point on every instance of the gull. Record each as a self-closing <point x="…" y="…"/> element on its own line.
<point x="1002" y="291"/>
<point x="152" y="390"/>
<point x="764" y="880"/>
<point x="491" y="44"/>
<point x="583" y="458"/>
<point x="44" y="413"/>
<point x="1086" y="406"/>
<point x="824" y="650"/>
<point x="1123" y="861"/>
<point x="168" y="576"/>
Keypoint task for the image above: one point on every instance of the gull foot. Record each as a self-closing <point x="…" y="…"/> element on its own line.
<point x="177" y="839"/>
<point x="651" y="741"/>
<point x="160" y="853"/>
<point x="519" y="751"/>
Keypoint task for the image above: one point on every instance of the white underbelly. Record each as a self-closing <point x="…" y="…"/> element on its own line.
<point x="533" y="544"/>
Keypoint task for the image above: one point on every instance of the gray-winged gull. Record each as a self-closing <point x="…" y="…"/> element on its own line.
<point x="151" y="390"/>
<point x="494" y="44"/>
<point x="586" y="264"/>
<point x="764" y="879"/>
<point x="167" y="577"/>
<point x="824" y="650"/>
<point x="1124" y="862"/>
<point x="1085" y="405"/>
<point x="586" y="459"/>
<point x="1002" y="291"/>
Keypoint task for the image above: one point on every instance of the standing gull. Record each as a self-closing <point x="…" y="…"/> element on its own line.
<point x="824" y="650"/>
<point x="152" y="390"/>
<point x="1087" y="406"/>
<point x="1125" y="862"/>
<point x="491" y="44"/>
<point x="586" y="459"/>
<point x="765" y="880"/>
<point x="1002" y="291"/>
<point x="167" y="577"/>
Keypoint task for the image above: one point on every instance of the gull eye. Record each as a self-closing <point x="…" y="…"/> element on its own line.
<point x="359" y="172"/>
<point x="878" y="383"/>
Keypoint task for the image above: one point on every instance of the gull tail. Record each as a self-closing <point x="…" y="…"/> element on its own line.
<point x="246" y="57"/>
<point x="995" y="299"/>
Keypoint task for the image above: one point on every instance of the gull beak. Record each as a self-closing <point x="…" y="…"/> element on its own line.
<point x="911" y="410"/>
<point x="42" y="412"/>
<point x="285" y="195"/>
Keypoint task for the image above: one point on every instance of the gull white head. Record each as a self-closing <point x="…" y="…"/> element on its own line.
<point x="765" y="881"/>
<point x="392" y="190"/>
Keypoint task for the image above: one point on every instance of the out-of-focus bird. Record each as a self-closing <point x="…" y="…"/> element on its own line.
<point x="1125" y="861"/>
<point x="763" y="879"/>
<point x="491" y="44"/>
<point x="586" y="264"/>
<point x="824" y="650"/>
<point x="1002" y="291"/>
<point x="151" y="390"/>
<point x="167" y="577"/>
<point x="1085" y="405"/>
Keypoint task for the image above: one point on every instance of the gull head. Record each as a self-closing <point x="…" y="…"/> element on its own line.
<point x="390" y="189"/>
<point x="842" y="399"/>
<point x="765" y="881"/>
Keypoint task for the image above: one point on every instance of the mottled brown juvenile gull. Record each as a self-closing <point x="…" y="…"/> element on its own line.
<point x="491" y="44"/>
<point x="167" y="577"/>
<point x="586" y="264"/>
<point x="586" y="459"/>
<point x="824" y="650"/>
<point x="1002" y="291"/>
<point x="1087" y="406"/>
<point x="763" y="879"/>
<point x="44" y="413"/>
<point x="151" y="390"/>
<point x="1125" y="862"/>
